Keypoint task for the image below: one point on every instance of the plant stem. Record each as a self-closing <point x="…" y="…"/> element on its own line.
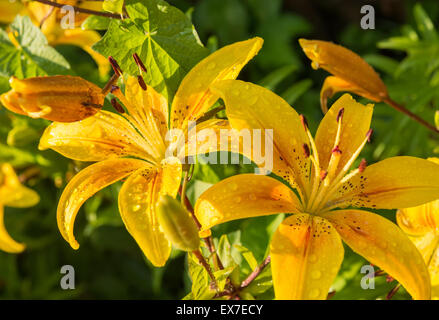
<point x="393" y="291"/>
<point x="208" y="115"/>
<point x="255" y="273"/>
<point x="205" y="265"/>
<point x="84" y="10"/>
<point x="207" y="240"/>
<point x="407" y="112"/>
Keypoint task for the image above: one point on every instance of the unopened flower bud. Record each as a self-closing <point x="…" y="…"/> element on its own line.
<point x="177" y="224"/>
<point x="55" y="98"/>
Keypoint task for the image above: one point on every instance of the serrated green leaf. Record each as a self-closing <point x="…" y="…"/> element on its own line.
<point x="162" y="36"/>
<point x="95" y="23"/>
<point x="29" y="55"/>
<point x="201" y="289"/>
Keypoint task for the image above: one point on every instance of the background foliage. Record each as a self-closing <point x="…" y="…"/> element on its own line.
<point x="404" y="49"/>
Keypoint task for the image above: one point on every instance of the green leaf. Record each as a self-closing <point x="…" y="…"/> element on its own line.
<point x="297" y="90"/>
<point x="201" y="289"/>
<point x="95" y="23"/>
<point x="162" y="36"/>
<point x="30" y="55"/>
<point x="114" y="6"/>
<point x="425" y="25"/>
<point x="274" y="78"/>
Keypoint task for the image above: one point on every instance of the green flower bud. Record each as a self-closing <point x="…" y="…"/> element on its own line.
<point x="177" y="224"/>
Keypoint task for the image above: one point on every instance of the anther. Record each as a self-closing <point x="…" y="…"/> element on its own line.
<point x="336" y="150"/>
<point x="306" y="150"/>
<point x="115" y="66"/>
<point x="114" y="88"/>
<point x="340" y="114"/>
<point x="116" y="105"/>
<point x="304" y="122"/>
<point x="141" y="82"/>
<point x="369" y="134"/>
<point x="323" y="175"/>
<point x="139" y="62"/>
<point x="362" y="166"/>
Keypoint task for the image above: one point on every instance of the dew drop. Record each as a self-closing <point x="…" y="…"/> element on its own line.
<point x="314" y="293"/>
<point x="136" y="207"/>
<point x="316" y="274"/>
<point x="312" y="258"/>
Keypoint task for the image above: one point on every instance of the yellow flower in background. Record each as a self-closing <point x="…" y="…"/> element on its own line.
<point x="55" y="98"/>
<point x="12" y="194"/>
<point x="133" y="145"/>
<point x="351" y="72"/>
<point x="49" y="19"/>
<point x="421" y="224"/>
<point x="306" y="250"/>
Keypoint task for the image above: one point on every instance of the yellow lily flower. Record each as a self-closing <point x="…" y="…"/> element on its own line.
<point x="49" y="19"/>
<point x="421" y="224"/>
<point x="12" y="194"/>
<point x="351" y="72"/>
<point x="133" y="145"/>
<point x="306" y="250"/>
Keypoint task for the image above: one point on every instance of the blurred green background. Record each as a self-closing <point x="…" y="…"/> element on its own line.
<point x="109" y="264"/>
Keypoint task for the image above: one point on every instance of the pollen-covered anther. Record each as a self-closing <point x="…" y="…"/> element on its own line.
<point x="115" y="66"/>
<point x="139" y="62"/>
<point x="336" y="150"/>
<point x="141" y="82"/>
<point x="304" y="122"/>
<point x="306" y="150"/>
<point x="369" y="134"/>
<point x="116" y="105"/>
<point x="340" y="115"/>
<point x="323" y="174"/>
<point x="363" y="165"/>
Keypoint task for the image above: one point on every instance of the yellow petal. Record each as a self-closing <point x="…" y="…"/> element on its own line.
<point x="249" y="106"/>
<point x="8" y="10"/>
<point x="419" y="220"/>
<point x="346" y="65"/>
<point x="85" y="39"/>
<point x="193" y="97"/>
<point x="398" y="182"/>
<point x="55" y="98"/>
<point x="97" y="138"/>
<point x="385" y="245"/>
<point x="84" y="185"/>
<point x="206" y="138"/>
<point x="355" y="125"/>
<point x="332" y="85"/>
<point x="146" y="105"/>
<point x="137" y="205"/>
<point x="306" y="254"/>
<point x="244" y="196"/>
<point x="8" y="244"/>
<point x="12" y="192"/>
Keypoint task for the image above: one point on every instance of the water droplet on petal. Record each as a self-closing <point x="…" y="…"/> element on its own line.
<point x="316" y="274"/>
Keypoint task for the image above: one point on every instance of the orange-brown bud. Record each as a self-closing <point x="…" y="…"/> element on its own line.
<point x="55" y="98"/>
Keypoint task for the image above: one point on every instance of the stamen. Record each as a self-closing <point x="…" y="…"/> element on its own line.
<point x="369" y="134"/>
<point x="116" y="105"/>
<point x="363" y="165"/>
<point x="115" y="66"/>
<point x="336" y="150"/>
<point x="139" y="62"/>
<point x="323" y="174"/>
<point x="93" y="105"/>
<point x="306" y="150"/>
<point x="141" y="82"/>
<point x="114" y="88"/>
<point x="304" y="122"/>
<point x="340" y="114"/>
